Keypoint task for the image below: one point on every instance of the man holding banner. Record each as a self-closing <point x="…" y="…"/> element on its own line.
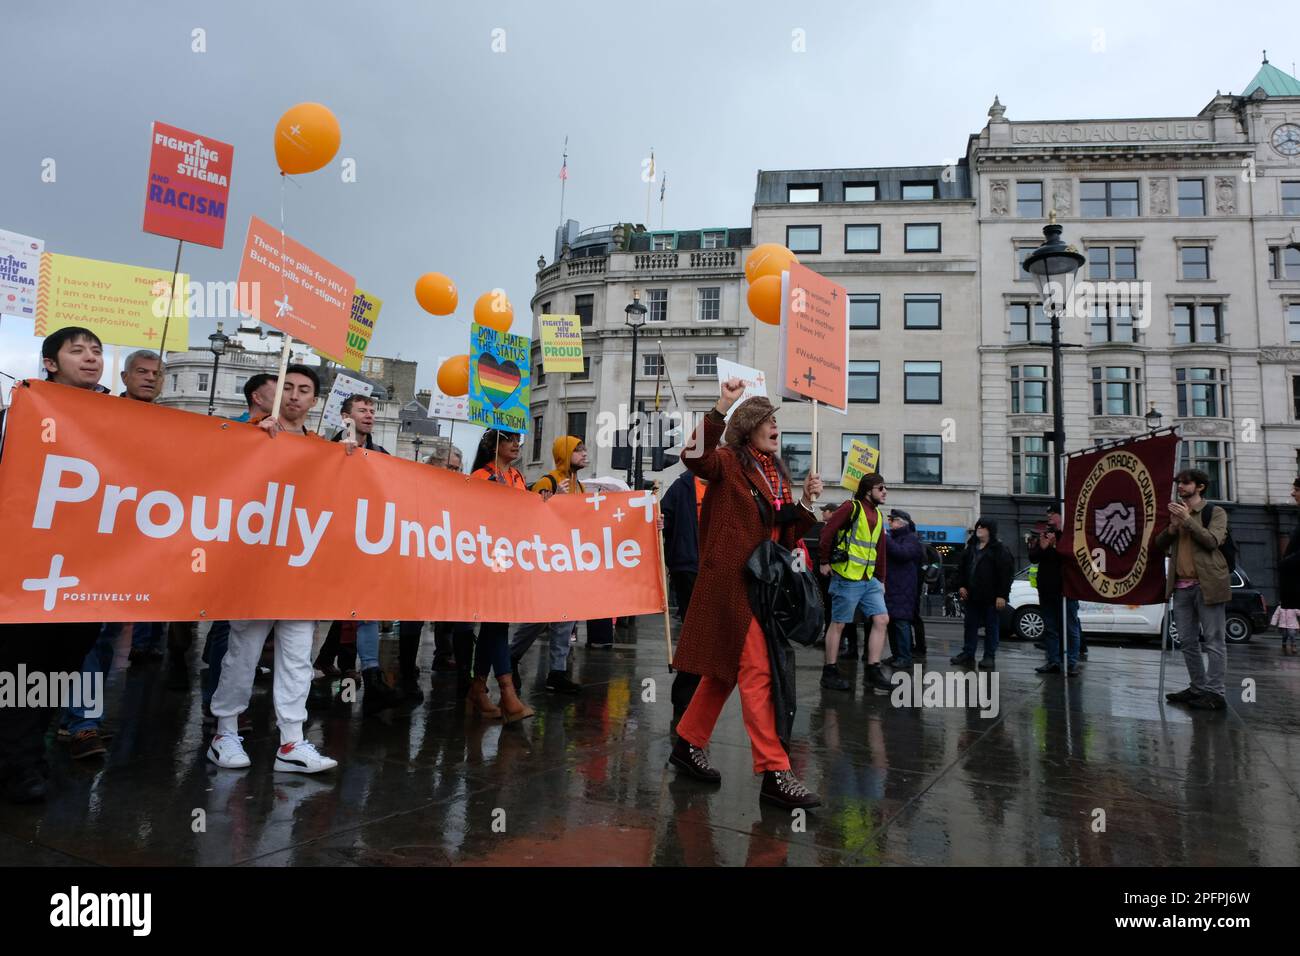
<point x="72" y="356"/>
<point x="293" y="640"/>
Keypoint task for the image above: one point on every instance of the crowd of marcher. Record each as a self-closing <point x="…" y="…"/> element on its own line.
<point x="736" y="504"/>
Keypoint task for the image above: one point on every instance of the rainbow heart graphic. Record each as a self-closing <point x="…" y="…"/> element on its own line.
<point x="499" y="380"/>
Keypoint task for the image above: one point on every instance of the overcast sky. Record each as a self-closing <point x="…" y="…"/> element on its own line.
<point x="458" y="148"/>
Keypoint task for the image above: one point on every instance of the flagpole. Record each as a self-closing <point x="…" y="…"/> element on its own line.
<point x="564" y="178"/>
<point x="647" y="186"/>
<point x="663" y="188"/>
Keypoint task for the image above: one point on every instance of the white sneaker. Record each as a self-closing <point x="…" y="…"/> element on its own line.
<point x="227" y="750"/>
<point x="302" y="757"/>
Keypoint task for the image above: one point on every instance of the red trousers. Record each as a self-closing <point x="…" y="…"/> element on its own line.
<point x="755" y="680"/>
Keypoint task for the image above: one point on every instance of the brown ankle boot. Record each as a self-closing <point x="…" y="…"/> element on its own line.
<point x="512" y="708"/>
<point x="478" y="702"/>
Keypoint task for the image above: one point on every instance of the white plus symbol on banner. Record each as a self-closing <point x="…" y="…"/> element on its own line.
<point x="619" y="515"/>
<point x="53" y="584"/>
<point x="595" y="498"/>
<point x="646" y="501"/>
<point x="284" y="306"/>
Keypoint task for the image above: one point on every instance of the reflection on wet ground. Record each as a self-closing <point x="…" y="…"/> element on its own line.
<point x="1096" y="771"/>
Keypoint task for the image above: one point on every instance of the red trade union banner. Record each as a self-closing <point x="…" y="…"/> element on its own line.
<point x="123" y="511"/>
<point x="189" y="186"/>
<point x="814" y="351"/>
<point x="1116" y="502"/>
<point x="295" y="290"/>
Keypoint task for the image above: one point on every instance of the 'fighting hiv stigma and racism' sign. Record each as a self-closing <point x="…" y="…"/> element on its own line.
<point x="99" y="528"/>
<point x="189" y="186"/>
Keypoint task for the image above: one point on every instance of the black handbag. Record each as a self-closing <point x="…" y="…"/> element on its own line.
<point x="783" y="592"/>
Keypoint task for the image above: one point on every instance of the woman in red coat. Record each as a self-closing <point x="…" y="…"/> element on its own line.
<point x="749" y="501"/>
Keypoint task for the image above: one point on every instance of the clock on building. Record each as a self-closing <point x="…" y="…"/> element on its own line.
<point x="1286" y="139"/>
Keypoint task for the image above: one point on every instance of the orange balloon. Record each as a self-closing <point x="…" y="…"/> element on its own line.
<point x="494" y="310"/>
<point x="765" y="299"/>
<point x="436" y="293"/>
<point x="306" y="138"/>
<point x="453" y="376"/>
<point x="769" y="259"/>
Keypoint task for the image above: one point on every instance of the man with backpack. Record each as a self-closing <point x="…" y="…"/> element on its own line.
<point x="1199" y="580"/>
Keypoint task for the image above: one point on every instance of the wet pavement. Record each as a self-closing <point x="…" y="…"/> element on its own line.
<point x="1093" y="772"/>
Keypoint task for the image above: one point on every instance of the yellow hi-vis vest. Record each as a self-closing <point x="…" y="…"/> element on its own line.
<point x="860" y="542"/>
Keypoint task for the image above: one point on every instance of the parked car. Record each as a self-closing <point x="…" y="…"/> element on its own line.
<point x="1022" y="618"/>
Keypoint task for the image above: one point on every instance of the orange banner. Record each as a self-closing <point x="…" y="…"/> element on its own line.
<point x="122" y="511"/>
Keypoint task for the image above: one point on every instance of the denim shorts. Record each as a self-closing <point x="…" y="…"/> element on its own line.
<point x="847" y="596"/>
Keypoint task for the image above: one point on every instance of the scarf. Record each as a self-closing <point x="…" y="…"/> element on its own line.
<point x="775" y="480"/>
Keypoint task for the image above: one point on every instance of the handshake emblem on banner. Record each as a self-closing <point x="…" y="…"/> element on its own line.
<point x="1116" y="526"/>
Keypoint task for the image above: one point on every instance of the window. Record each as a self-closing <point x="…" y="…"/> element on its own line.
<point x="1202" y="392"/>
<point x="1029" y="323"/>
<point x="864" y="381"/>
<point x="1291" y="198"/>
<point x="1191" y="197"/>
<point x="860" y="192"/>
<point x="1023" y="253"/>
<point x="537" y="438"/>
<point x="923" y="459"/>
<point x="922" y="311"/>
<point x="928" y="189"/>
<point x="864" y="312"/>
<point x="658" y="299"/>
<point x="1029" y="470"/>
<point x="175" y="382"/>
<point x="1292" y="326"/>
<point x="713" y="239"/>
<point x="1029" y="389"/>
<point x="585" y="374"/>
<point x="1108" y="199"/>
<point x="1116" y="391"/>
<point x="578" y="425"/>
<point x="203" y="381"/>
<point x="706" y="363"/>
<point x="1112" y="322"/>
<point x="1212" y="457"/>
<point x="652" y="366"/>
<point x="1112" y="262"/>
<point x="921" y="237"/>
<point x="923" y="383"/>
<point x="1287" y="266"/>
<point x="1029" y="200"/>
<point x="708" y="304"/>
<point x="804" y="193"/>
<point x="539" y="373"/>
<point x="861" y="238"/>
<point x="803" y="238"/>
<point x="661" y="243"/>
<point x="1295" y="400"/>
<point x="1197" y="323"/>
<point x="584" y="306"/>
<point x="240" y="382"/>
<point x="1196" y="262"/>
<point x="796" y="449"/>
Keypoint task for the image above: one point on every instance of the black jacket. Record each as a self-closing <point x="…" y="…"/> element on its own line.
<point x="986" y="573"/>
<point x="681" y="525"/>
<point x="1049" y="571"/>
<point x="1288" y="573"/>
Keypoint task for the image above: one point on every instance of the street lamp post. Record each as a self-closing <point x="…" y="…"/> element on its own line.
<point x="417" y="443"/>
<point x="635" y="320"/>
<point x="1154" y="418"/>
<point x="217" y="343"/>
<point x="1054" y="266"/>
